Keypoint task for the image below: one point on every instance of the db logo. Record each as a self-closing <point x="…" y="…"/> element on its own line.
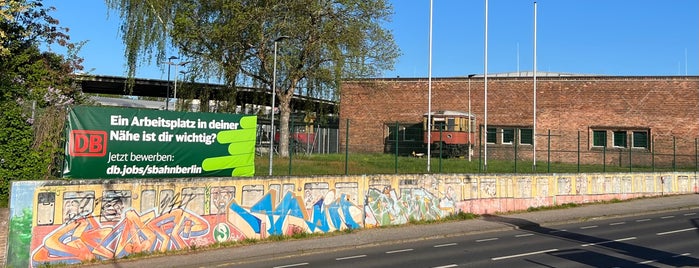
<point x="91" y="143"/>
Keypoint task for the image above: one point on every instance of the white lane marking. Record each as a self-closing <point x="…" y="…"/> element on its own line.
<point x="677" y="231"/>
<point x="399" y="251"/>
<point x="557" y="231"/>
<point x="617" y="223"/>
<point x="350" y="257"/>
<point x="446" y="266"/>
<point x="292" y="265"/>
<point x="589" y="227"/>
<point x="689" y="214"/>
<point x="445" y="245"/>
<point x="647" y="262"/>
<point x="524" y="254"/>
<point x="487" y="239"/>
<point x="667" y="217"/>
<point x="642" y="220"/>
<point x="682" y="255"/>
<point x="605" y="242"/>
<point x="523" y="235"/>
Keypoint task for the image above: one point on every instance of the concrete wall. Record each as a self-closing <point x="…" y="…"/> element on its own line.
<point x="665" y="106"/>
<point x="81" y="220"/>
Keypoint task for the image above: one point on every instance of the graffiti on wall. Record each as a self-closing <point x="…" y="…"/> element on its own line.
<point x="54" y="222"/>
<point x="80" y="225"/>
<point x="85" y="238"/>
<point x="385" y="207"/>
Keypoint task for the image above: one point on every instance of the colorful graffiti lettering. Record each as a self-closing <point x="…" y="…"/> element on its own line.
<point x="386" y="208"/>
<point x="86" y="239"/>
<point x="289" y="216"/>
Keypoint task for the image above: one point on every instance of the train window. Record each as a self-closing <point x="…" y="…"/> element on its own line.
<point x="278" y="189"/>
<point x="525" y="136"/>
<point x="77" y="204"/>
<point x="451" y="123"/>
<point x="288" y="187"/>
<point x="349" y="189"/>
<point x="193" y="199"/>
<point x="252" y="194"/>
<point x="113" y="204"/>
<point x="508" y="135"/>
<point x="314" y="192"/>
<point x="378" y="183"/>
<point x="167" y="201"/>
<point x="147" y="200"/>
<point x="46" y="205"/>
<point x="220" y="198"/>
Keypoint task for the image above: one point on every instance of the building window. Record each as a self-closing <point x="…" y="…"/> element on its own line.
<point x="491" y="136"/>
<point x="508" y="135"/>
<point x="640" y="139"/>
<point x="599" y="138"/>
<point x="525" y="136"/>
<point x="620" y="139"/>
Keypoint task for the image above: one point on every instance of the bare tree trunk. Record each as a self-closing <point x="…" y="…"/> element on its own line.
<point x="285" y="115"/>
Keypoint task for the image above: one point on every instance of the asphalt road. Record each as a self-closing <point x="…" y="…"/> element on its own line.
<point x="651" y="232"/>
<point x="653" y="240"/>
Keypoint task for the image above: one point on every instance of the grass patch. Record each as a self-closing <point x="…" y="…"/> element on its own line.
<point x="358" y="164"/>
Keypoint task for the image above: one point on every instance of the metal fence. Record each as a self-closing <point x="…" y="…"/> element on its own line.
<point x="402" y="150"/>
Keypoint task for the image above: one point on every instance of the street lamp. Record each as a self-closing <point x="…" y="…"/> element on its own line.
<point x="274" y="94"/>
<point x="183" y="73"/>
<point x="174" y="105"/>
<point x="167" y="93"/>
<point x="470" y="144"/>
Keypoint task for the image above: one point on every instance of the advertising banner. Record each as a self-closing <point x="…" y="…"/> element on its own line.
<point x="110" y="142"/>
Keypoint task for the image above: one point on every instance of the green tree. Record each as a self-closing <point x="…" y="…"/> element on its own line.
<point x="35" y="90"/>
<point x="326" y="41"/>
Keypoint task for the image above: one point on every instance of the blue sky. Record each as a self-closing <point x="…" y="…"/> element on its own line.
<point x="621" y="37"/>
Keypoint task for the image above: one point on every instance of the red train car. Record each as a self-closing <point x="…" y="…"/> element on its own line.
<point x="451" y="133"/>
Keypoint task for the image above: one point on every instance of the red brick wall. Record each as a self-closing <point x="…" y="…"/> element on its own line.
<point x="565" y="106"/>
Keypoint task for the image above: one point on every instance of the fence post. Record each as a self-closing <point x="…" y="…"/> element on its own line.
<point x="347" y="126"/>
<point x="652" y="154"/>
<point x="480" y="149"/>
<point x="578" y="151"/>
<point x="548" y="157"/>
<point x="620" y="153"/>
<point x="441" y="147"/>
<point x="293" y="146"/>
<point x="630" y="146"/>
<point x="514" y="142"/>
<point x="396" y="145"/>
<point x="604" y="158"/>
<point x="674" y="160"/>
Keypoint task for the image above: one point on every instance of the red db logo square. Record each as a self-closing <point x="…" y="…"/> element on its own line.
<point x="90" y="143"/>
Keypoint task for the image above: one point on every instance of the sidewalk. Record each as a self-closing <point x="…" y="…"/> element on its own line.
<point x="376" y="236"/>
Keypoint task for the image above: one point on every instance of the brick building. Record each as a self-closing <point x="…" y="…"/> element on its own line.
<point x="648" y="120"/>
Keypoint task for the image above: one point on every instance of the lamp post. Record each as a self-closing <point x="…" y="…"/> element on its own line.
<point x="183" y="73"/>
<point x="167" y="93"/>
<point x="429" y="96"/>
<point x="174" y="105"/>
<point x="470" y="143"/>
<point x="534" y="115"/>
<point x="274" y="94"/>
<point x="485" y="90"/>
